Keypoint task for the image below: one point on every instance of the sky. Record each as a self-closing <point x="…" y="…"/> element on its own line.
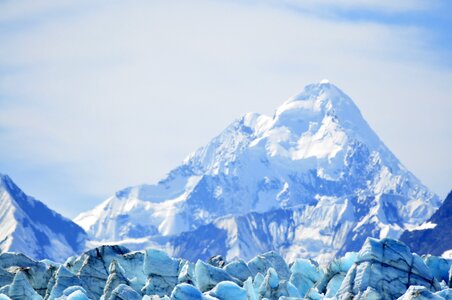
<point x="98" y="96"/>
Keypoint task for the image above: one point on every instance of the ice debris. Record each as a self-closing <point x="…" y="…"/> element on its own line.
<point x="387" y="266"/>
<point x="383" y="269"/>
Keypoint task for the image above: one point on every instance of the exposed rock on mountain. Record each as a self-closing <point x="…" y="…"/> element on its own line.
<point x="435" y="235"/>
<point x="313" y="179"/>
<point x="30" y="227"/>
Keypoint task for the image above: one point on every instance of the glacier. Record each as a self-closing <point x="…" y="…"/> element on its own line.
<point x="384" y="269"/>
<point x="311" y="181"/>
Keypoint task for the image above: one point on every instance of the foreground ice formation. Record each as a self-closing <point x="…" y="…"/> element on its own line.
<point x="383" y="269"/>
<point x="388" y="268"/>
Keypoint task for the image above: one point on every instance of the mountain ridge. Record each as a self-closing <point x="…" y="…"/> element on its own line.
<point x="316" y="156"/>
<point x="433" y="236"/>
<point x="29" y="226"/>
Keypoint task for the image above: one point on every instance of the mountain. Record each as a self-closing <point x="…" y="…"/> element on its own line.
<point x="30" y="227"/>
<point x="434" y="236"/>
<point x="312" y="180"/>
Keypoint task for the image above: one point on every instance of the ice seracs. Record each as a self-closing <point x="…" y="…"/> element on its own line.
<point x="228" y="290"/>
<point x="382" y="269"/>
<point x="162" y="272"/>
<point x="419" y="293"/>
<point x="116" y="277"/>
<point x="238" y="269"/>
<point x="21" y="288"/>
<point x="61" y="280"/>
<point x="388" y="267"/>
<point x="184" y="291"/>
<point x="304" y="274"/>
<point x="334" y="275"/>
<point x="208" y="276"/>
<point x="313" y="180"/>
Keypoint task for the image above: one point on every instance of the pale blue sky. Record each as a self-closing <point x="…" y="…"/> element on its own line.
<point x="95" y="97"/>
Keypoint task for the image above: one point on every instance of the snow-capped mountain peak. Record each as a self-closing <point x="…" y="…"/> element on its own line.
<point x="324" y="104"/>
<point x="316" y="158"/>
<point x="314" y="123"/>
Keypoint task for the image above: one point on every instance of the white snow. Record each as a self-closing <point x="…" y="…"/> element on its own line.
<point x="20" y="232"/>
<point x="423" y="226"/>
<point x="316" y="156"/>
<point x="447" y="254"/>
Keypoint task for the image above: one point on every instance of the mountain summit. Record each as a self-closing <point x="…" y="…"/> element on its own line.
<point x="313" y="178"/>
<point x="30" y="227"/>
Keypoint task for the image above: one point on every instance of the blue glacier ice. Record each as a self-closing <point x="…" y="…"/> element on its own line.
<point x="187" y="273"/>
<point x="186" y="291"/>
<point x="274" y="288"/>
<point x="61" y="280"/>
<point x="124" y="292"/>
<point x="228" y="290"/>
<point x="251" y="291"/>
<point x="382" y="270"/>
<point x="21" y="288"/>
<point x="439" y="266"/>
<point x="238" y="269"/>
<point x="162" y="271"/>
<point x="76" y="295"/>
<point x="304" y="274"/>
<point x="72" y="289"/>
<point x="416" y="292"/>
<point x="446" y="294"/>
<point x="116" y="277"/>
<point x="157" y="262"/>
<point x="389" y="267"/>
<point x="262" y="262"/>
<point x="208" y="276"/>
<point x="335" y="273"/>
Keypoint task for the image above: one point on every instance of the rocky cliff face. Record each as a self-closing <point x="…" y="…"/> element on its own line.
<point x="30" y="227"/>
<point x="434" y="236"/>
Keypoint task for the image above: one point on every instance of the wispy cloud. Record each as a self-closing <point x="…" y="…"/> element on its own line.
<point x="116" y="94"/>
<point x="378" y="5"/>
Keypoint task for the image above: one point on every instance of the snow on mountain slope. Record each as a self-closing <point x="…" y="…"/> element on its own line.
<point x="30" y="227"/>
<point x="434" y="236"/>
<point x="316" y="158"/>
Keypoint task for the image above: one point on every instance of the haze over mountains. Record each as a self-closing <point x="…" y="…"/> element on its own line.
<point x="311" y="180"/>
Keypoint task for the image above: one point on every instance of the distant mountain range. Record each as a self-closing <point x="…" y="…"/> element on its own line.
<point x="313" y="179"/>
<point x="30" y="227"/>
